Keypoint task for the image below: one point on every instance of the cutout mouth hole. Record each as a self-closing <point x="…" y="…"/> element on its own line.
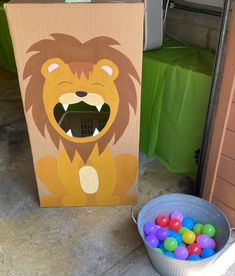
<point x="81" y="119"/>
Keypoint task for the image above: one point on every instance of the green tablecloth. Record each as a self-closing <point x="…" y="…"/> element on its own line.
<point x="175" y="91"/>
<point x="6" y="50"/>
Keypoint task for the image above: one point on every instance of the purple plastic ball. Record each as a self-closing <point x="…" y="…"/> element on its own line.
<point x="162" y="233"/>
<point x="212" y="243"/>
<point x="152" y="241"/>
<point x="203" y="241"/>
<point x="150" y="228"/>
<point x="177" y="215"/>
<point x="181" y="253"/>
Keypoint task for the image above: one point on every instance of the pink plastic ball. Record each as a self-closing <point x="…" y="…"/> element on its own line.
<point x="203" y="241"/>
<point x="181" y="253"/>
<point x="212" y="243"/>
<point x="177" y="215"/>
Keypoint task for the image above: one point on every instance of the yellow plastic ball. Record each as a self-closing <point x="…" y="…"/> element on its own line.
<point x="189" y="237"/>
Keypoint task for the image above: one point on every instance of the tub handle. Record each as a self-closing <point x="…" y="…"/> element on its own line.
<point x="232" y="241"/>
<point x="229" y="244"/>
<point x="134" y="212"/>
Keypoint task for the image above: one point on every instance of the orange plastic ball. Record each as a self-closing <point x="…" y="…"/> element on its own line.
<point x="189" y="237"/>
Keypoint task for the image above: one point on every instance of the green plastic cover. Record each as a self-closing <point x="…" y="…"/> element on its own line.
<point x="175" y="91"/>
<point x="7" y="59"/>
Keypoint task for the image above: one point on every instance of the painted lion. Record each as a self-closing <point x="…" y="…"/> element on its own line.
<point x="81" y="93"/>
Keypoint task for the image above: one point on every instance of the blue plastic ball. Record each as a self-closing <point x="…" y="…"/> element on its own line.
<point x="176" y="236"/>
<point x="171" y="231"/>
<point x="194" y="257"/>
<point x="188" y="223"/>
<point x="161" y="245"/>
<point x="207" y="252"/>
<point x="170" y="254"/>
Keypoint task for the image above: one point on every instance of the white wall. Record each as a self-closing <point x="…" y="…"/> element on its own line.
<point x="216" y="3"/>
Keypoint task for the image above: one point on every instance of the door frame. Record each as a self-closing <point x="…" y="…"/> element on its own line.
<point x="221" y="96"/>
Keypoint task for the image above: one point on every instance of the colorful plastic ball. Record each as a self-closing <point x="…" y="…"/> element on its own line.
<point x="170" y="244"/>
<point x="207" y="252"/>
<point x="181" y="253"/>
<point x="209" y="230"/>
<point x="193" y="257"/>
<point x="152" y="241"/>
<point x="169" y="254"/>
<point x="150" y="228"/>
<point x="197" y="228"/>
<point x="212" y="243"/>
<point x="162" y="247"/>
<point x="175" y="224"/>
<point x="177" y="215"/>
<point x="159" y="250"/>
<point x="188" y="223"/>
<point x="176" y="236"/>
<point x="182" y="229"/>
<point x="171" y="231"/>
<point x="162" y="233"/>
<point x="194" y="249"/>
<point x="189" y="237"/>
<point x="203" y="241"/>
<point x="162" y="220"/>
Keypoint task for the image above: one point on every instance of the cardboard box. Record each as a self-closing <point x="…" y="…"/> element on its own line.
<point x="79" y="67"/>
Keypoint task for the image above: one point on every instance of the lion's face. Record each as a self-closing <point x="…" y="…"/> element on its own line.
<point x="83" y="106"/>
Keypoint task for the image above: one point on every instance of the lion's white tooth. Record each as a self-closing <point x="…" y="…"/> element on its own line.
<point x="99" y="107"/>
<point x="69" y="133"/>
<point x="65" y="106"/>
<point x="96" y="132"/>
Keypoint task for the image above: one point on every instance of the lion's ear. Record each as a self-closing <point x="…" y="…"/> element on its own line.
<point x="51" y="65"/>
<point x="109" y="67"/>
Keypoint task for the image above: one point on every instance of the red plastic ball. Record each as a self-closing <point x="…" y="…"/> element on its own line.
<point x="162" y="220"/>
<point x="194" y="248"/>
<point x="175" y="224"/>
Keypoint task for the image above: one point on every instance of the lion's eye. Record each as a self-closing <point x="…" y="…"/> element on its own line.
<point x="65" y="82"/>
<point x="97" y="83"/>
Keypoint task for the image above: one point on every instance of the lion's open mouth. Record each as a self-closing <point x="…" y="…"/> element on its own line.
<point x="81" y="119"/>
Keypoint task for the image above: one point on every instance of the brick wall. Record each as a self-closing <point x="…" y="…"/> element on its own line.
<point x="224" y="190"/>
<point x="194" y="28"/>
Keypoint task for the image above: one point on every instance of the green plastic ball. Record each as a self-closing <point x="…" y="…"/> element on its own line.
<point x="170" y="244"/>
<point x="209" y="230"/>
<point x="159" y="250"/>
<point x="182" y="229"/>
<point x="197" y="229"/>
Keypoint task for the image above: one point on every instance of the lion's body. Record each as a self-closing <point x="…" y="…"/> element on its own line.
<point x="85" y="171"/>
<point x="62" y="178"/>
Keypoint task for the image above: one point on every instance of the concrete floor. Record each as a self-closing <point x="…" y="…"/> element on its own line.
<point x="65" y="241"/>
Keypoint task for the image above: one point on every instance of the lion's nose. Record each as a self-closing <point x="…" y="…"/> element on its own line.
<point x="81" y="93"/>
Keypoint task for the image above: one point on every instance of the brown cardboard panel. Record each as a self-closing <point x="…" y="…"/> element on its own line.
<point x="229" y="144"/>
<point x="227" y="169"/>
<point x="229" y="212"/>
<point x="225" y="192"/>
<point x="231" y="121"/>
<point x="68" y="54"/>
<point x="63" y="1"/>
